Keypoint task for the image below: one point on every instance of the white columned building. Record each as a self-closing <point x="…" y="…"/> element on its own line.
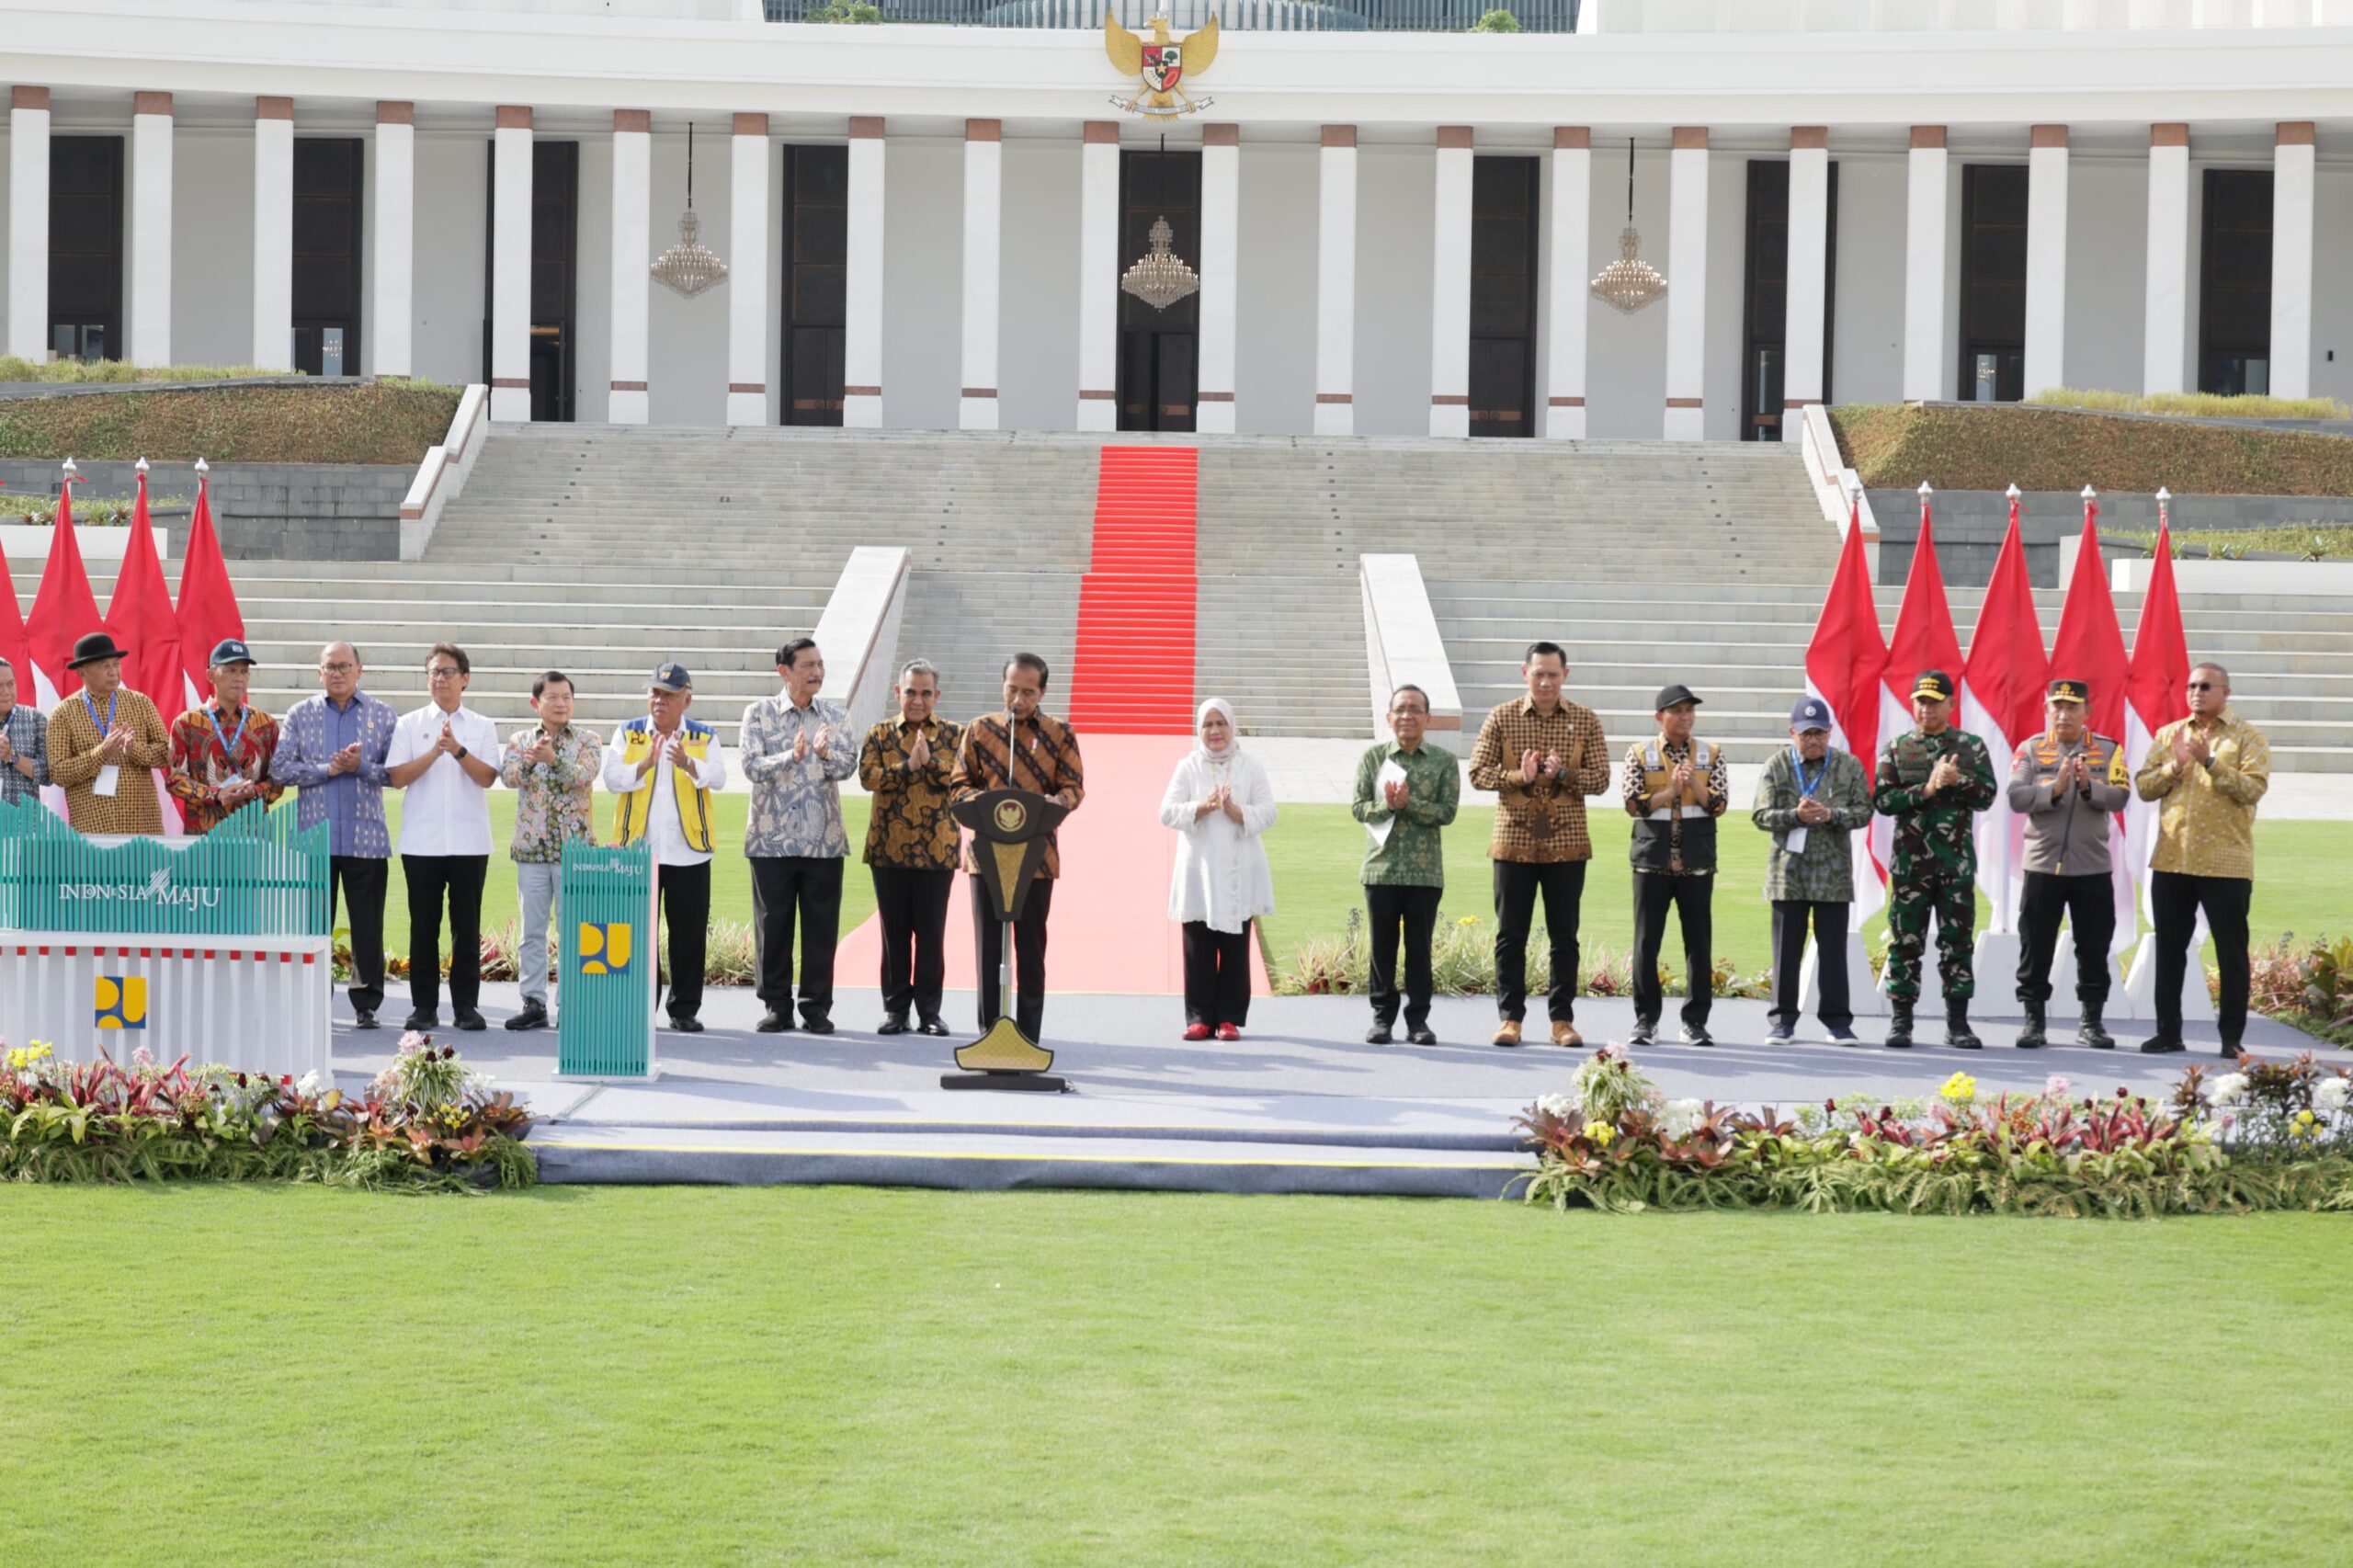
<point x="629" y="392"/>
<point x="862" y="289"/>
<point x="1220" y="281"/>
<point x="2292" y="160"/>
<point x="1802" y="369"/>
<point x="391" y="258"/>
<point x="1687" y="289"/>
<point x="2165" y="306"/>
<point x="1925" y="243"/>
<point x="28" y="222"/>
<point x="274" y="233"/>
<point x="749" y="179"/>
<point x="1335" y="281"/>
<point x="510" y="265"/>
<point x="148" y="217"/>
<point x="2046" y="260"/>
<point x="1570" y="229"/>
<point x="1451" y="285"/>
<point x="982" y="255"/>
<point x="1098" y="275"/>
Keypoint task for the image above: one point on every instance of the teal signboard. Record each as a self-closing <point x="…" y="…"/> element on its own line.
<point x="254" y="875"/>
<point x="605" y="968"/>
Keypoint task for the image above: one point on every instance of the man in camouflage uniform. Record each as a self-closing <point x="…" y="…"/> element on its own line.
<point x="1932" y="781"/>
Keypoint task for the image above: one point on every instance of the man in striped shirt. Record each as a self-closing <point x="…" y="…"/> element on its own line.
<point x="1020" y="748"/>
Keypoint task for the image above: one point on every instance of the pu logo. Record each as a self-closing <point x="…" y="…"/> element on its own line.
<point x="120" y="1002"/>
<point x="604" y="949"/>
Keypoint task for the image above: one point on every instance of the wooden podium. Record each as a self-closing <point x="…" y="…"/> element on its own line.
<point x="1009" y="832"/>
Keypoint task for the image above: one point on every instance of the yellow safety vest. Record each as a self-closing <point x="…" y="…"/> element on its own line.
<point x="631" y="810"/>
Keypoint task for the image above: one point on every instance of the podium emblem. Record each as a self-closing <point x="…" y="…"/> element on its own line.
<point x="605" y="948"/>
<point x="1011" y="816"/>
<point x="120" y="1002"/>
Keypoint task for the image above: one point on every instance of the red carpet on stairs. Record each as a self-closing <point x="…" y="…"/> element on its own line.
<point x="1133" y="664"/>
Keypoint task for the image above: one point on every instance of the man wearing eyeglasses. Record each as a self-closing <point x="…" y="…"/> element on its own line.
<point x="444" y="754"/>
<point x="331" y="747"/>
<point x="2210" y="770"/>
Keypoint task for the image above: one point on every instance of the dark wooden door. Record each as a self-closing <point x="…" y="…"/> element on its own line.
<point x="2235" y="284"/>
<point x="1764" y="297"/>
<point x="1503" y="201"/>
<point x="327" y="210"/>
<point x="1160" y="351"/>
<point x="86" y="248"/>
<point x="555" y="274"/>
<point x="816" y="274"/>
<point x="1993" y="283"/>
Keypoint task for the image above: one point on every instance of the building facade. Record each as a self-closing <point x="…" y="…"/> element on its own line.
<point x="1393" y="231"/>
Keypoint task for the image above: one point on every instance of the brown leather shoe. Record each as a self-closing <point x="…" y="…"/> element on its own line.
<point x="1508" y="1032"/>
<point x="1565" y="1033"/>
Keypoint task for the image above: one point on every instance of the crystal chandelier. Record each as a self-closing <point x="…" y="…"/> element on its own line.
<point x="689" y="268"/>
<point x="1159" y="277"/>
<point x="1628" y="283"/>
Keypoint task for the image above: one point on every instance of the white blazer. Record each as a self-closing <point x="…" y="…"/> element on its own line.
<point x="1220" y="877"/>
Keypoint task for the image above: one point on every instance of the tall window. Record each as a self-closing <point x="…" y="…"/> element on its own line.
<point x="2235" y="284"/>
<point x="1993" y="282"/>
<point x="326" y="254"/>
<point x="816" y="283"/>
<point x="1764" y="298"/>
<point x="1503" y="295"/>
<point x="86" y="248"/>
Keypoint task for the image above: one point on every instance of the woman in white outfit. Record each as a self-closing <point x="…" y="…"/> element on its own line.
<point x="1218" y="801"/>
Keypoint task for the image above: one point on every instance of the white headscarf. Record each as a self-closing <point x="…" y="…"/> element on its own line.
<point x="1233" y="738"/>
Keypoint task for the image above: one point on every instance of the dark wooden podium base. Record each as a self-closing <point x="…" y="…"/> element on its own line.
<point x="1032" y="1083"/>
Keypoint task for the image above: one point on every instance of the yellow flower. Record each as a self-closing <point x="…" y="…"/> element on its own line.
<point x="1468" y="920"/>
<point x="1960" y="1086"/>
<point x="1601" y="1133"/>
<point x="2305" y="1119"/>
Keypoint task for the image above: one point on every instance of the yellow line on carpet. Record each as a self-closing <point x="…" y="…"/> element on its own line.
<point x="951" y="1155"/>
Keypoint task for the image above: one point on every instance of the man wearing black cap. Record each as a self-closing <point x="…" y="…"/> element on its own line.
<point x="1932" y="780"/>
<point x="2068" y="784"/>
<point x="1810" y="798"/>
<point x="103" y="744"/>
<point x="1675" y="789"/>
<point x="663" y="770"/>
<point x="221" y="751"/>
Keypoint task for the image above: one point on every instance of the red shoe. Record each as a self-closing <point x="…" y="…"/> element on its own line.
<point x="1196" y="1031"/>
<point x="1227" y="1031"/>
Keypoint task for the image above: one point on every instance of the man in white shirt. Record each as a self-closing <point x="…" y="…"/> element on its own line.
<point x="662" y="771"/>
<point x="445" y="756"/>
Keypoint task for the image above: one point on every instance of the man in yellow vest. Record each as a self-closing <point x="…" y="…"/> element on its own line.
<point x="1675" y="788"/>
<point x="663" y="770"/>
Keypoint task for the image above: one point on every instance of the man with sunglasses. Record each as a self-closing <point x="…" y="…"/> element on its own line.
<point x="2210" y="771"/>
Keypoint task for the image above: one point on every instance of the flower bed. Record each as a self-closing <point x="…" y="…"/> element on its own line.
<point x="2270" y="1135"/>
<point x="425" y="1123"/>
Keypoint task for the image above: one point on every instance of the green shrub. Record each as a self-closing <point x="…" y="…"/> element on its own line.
<point x="388" y="422"/>
<point x="1990" y="445"/>
<point x="1497" y="21"/>
<point x="2203" y="406"/>
<point x="2305" y="541"/>
<point x="13" y="369"/>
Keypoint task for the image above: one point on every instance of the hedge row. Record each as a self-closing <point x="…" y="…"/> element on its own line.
<point x="1896" y="446"/>
<point x="390" y="422"/>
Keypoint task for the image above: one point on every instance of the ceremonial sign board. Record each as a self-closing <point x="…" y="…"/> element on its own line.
<point x="604" y="908"/>
<point x="215" y="948"/>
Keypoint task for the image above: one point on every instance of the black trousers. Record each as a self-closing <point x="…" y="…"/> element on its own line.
<point x="432" y="879"/>
<point x="1693" y="900"/>
<point x="1029" y="955"/>
<point x="1413" y="911"/>
<point x="1790" y="917"/>
<point x="2176" y="899"/>
<point x="1516" y="884"/>
<point x="912" y="902"/>
<point x="810" y="888"/>
<point x="359" y="881"/>
<point x="2089" y="904"/>
<point x="684" y="894"/>
<point x="1217" y="975"/>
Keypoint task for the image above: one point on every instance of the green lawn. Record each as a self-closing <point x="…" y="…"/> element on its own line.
<point x="267" y="1375"/>
<point x="2301" y="871"/>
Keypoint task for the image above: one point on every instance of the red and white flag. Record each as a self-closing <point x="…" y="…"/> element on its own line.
<point x="2090" y="648"/>
<point x="63" y="609"/>
<point x="1843" y="665"/>
<point x="15" y="650"/>
<point x="2001" y="703"/>
<point x="208" y="606"/>
<point x="140" y="618"/>
<point x="2156" y="693"/>
<point x="1924" y="639"/>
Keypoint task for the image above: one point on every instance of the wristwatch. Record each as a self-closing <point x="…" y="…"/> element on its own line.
<point x="459" y="754"/>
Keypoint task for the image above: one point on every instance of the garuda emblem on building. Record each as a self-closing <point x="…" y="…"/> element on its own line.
<point x="1160" y="64"/>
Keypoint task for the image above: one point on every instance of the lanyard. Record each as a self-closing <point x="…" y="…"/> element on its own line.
<point x="1806" y="787"/>
<point x="112" y="697"/>
<point x="229" y="743"/>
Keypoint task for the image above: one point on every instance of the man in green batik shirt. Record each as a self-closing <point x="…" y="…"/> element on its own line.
<point x="1933" y="781"/>
<point x="1405" y="792"/>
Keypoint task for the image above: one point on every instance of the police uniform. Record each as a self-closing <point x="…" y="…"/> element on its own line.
<point x="2066" y="866"/>
<point x="1935" y="868"/>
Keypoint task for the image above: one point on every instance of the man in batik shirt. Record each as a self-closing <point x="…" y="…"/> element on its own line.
<point x="220" y="752"/>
